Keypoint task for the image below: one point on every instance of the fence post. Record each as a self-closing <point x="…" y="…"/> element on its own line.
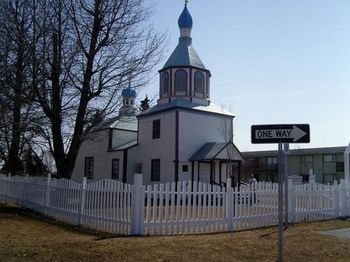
<point x="229" y="205"/>
<point x="24" y="191"/>
<point x="336" y="193"/>
<point x="6" y="193"/>
<point x="82" y="202"/>
<point x="137" y="206"/>
<point x="342" y="198"/>
<point x="47" y="193"/>
<point x="291" y="202"/>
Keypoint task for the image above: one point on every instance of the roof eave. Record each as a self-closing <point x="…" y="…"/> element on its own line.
<point x="185" y="66"/>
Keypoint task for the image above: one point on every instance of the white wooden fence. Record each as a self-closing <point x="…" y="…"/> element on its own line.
<point x="169" y="209"/>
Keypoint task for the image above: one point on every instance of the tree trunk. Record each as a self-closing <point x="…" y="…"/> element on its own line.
<point x="14" y="161"/>
<point x="85" y="93"/>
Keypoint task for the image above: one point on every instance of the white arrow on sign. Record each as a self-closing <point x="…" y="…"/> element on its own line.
<point x="296" y="133"/>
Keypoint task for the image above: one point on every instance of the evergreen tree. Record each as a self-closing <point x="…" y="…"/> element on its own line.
<point x="144" y="104"/>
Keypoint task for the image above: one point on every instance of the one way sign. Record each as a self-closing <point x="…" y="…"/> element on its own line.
<point x="272" y="134"/>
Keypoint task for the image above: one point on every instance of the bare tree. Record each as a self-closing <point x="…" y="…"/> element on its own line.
<point x="16" y="109"/>
<point x="87" y="51"/>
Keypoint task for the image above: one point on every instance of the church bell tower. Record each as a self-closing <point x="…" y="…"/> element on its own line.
<point x="184" y="75"/>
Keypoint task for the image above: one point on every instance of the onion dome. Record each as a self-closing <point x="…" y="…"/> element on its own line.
<point x="129" y="92"/>
<point x="184" y="54"/>
<point x="185" y="19"/>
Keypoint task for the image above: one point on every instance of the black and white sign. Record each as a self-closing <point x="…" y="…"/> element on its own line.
<point x="272" y="134"/>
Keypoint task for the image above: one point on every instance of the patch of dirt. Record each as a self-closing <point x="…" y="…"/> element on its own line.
<point x="27" y="236"/>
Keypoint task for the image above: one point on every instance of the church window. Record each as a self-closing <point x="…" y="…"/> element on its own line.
<point x="199" y="82"/>
<point x="89" y="167"/>
<point x="115" y="168"/>
<point x="185" y="168"/>
<point x="155" y="170"/>
<point x="165" y="83"/>
<point x="180" y="81"/>
<point x="156" y="129"/>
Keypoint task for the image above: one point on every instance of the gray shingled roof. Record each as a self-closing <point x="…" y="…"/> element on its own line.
<point x="186" y="104"/>
<point x="126" y="145"/>
<point x="208" y="151"/>
<point x="211" y="151"/>
<point x="125" y="123"/>
<point x="184" y="55"/>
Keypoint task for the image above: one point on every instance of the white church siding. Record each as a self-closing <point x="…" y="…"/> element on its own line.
<point x="96" y="146"/>
<point x="197" y="128"/>
<point x="162" y="148"/>
<point x="185" y="175"/>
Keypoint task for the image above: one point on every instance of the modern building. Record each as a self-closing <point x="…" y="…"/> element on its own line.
<point x="327" y="164"/>
<point x="183" y="137"/>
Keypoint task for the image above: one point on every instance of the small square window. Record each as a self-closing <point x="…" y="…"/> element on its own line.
<point x="185" y="168"/>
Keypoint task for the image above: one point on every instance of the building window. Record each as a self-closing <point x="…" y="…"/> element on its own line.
<point x="155" y="170"/>
<point x="271" y="162"/>
<point x="115" y="168"/>
<point x="306" y="165"/>
<point x="329" y="168"/>
<point x="165" y="84"/>
<point x="199" y="83"/>
<point x="306" y="159"/>
<point x="185" y="168"/>
<point x="329" y="158"/>
<point x="156" y="129"/>
<point x="89" y="167"/>
<point x="180" y="81"/>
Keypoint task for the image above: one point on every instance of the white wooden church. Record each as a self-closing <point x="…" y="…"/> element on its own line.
<point x="183" y="137"/>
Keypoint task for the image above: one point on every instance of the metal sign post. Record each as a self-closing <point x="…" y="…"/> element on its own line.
<point x="285" y="171"/>
<point x="281" y="133"/>
<point x="280" y="203"/>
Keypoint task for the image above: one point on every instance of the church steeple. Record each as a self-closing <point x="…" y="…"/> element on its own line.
<point x="184" y="74"/>
<point x="129" y="95"/>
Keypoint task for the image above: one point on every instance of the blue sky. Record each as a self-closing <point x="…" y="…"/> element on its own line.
<point x="272" y="62"/>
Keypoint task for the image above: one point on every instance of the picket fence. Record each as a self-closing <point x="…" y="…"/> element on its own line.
<point x="172" y="208"/>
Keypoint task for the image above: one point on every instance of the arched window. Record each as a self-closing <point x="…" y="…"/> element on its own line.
<point x="165" y="83"/>
<point x="199" y="82"/>
<point x="180" y="81"/>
